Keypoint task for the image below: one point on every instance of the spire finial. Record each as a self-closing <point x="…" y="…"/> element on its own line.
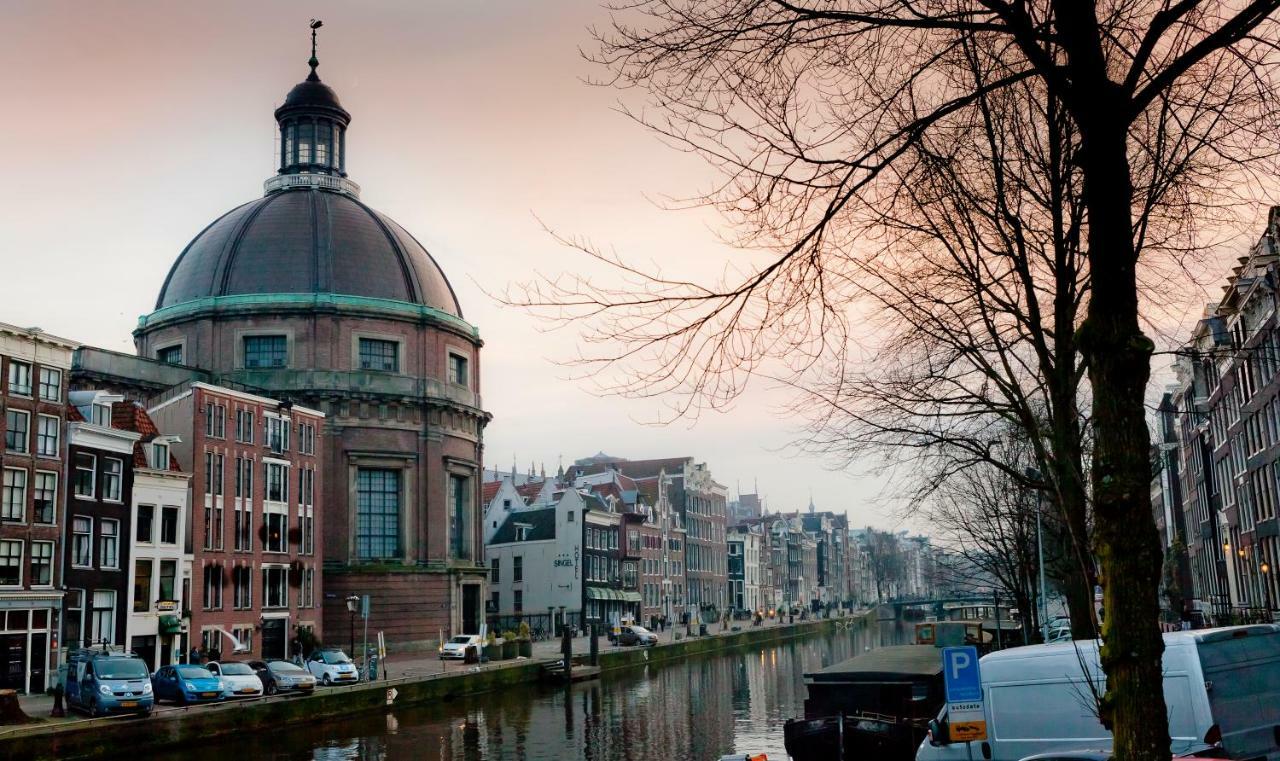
<point x="314" y="62"/>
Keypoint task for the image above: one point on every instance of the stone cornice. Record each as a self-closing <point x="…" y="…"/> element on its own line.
<point x="309" y="303"/>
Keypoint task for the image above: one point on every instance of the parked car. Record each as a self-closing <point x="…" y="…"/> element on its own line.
<point x="457" y="646"/>
<point x="101" y="683"/>
<point x="1058" y="631"/>
<point x="283" y="676"/>
<point x="637" y="635"/>
<point x="238" y="679"/>
<point x="188" y="683"/>
<point x="332" y="666"/>
<point x="1219" y="686"/>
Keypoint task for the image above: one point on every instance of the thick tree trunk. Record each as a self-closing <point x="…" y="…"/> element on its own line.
<point x="1118" y="357"/>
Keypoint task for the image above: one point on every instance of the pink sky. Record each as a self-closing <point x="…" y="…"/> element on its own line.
<point x="131" y="125"/>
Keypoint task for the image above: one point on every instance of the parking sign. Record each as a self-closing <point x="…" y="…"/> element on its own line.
<point x="965" y="715"/>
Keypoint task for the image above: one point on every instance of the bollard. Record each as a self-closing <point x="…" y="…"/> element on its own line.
<point x="58" y="710"/>
<point x="566" y="652"/>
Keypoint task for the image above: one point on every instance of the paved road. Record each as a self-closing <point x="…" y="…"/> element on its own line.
<point x="410" y="665"/>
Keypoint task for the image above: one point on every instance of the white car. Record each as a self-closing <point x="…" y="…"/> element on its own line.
<point x="238" y="679"/>
<point x="457" y="646"/>
<point x="332" y="666"/>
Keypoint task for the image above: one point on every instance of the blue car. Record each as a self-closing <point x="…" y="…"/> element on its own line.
<point x="186" y="684"/>
<point x="101" y="683"/>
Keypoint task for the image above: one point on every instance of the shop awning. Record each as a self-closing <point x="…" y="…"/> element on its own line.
<point x="170" y="625"/>
<point x="599" y="593"/>
<point x="628" y="596"/>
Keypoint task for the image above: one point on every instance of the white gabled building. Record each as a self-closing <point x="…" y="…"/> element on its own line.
<point x="534" y="554"/>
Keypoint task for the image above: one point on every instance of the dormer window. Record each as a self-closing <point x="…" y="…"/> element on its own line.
<point x="101" y="414"/>
<point x="522" y="533"/>
<point x="159" y="456"/>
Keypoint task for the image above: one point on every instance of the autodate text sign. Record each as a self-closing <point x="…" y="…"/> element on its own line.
<point x="966" y="718"/>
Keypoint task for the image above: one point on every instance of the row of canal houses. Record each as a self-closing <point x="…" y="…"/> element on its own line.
<point x="609" y="540"/>
<point x="147" y="511"/>
<point x="1215" y="487"/>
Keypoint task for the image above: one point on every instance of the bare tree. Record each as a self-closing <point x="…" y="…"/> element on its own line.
<point x="884" y="558"/>
<point x="808" y="108"/>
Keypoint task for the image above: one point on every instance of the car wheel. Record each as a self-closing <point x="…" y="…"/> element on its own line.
<point x="326" y="681"/>
<point x="271" y="688"/>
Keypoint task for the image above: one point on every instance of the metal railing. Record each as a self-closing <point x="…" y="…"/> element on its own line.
<point x="326" y="181"/>
<point x="539" y="623"/>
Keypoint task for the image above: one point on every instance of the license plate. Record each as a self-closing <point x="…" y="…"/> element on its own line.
<point x="248" y="691"/>
<point x="346" y="676"/>
<point x="128" y="704"/>
<point x="208" y="694"/>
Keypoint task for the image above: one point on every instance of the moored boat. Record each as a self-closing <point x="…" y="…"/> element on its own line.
<point x="879" y="702"/>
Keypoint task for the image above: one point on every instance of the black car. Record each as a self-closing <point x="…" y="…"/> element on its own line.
<point x="637" y="635"/>
<point x="283" y="676"/>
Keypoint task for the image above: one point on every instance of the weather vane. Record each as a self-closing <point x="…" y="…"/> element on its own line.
<point x="315" y="24"/>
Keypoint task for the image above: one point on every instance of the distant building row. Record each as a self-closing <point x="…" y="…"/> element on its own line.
<point x="611" y="539"/>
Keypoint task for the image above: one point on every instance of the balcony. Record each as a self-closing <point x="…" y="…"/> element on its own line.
<point x="323" y="181"/>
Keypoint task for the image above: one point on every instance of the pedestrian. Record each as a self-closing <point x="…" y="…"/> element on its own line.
<point x="194" y="656"/>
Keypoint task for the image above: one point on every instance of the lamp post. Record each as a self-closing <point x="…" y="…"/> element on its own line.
<point x="1266" y="584"/>
<point x="353" y="605"/>
<point x="1034" y="475"/>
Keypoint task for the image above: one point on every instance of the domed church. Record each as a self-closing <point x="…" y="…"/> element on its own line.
<point x="310" y="295"/>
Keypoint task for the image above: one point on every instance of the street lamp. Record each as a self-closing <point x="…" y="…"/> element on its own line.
<point x="1034" y="475"/>
<point x="1266" y="584"/>
<point x="353" y="605"/>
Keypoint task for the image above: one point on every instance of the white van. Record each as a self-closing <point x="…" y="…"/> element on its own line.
<point x="1038" y="699"/>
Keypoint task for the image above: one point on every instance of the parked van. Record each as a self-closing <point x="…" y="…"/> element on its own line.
<point x="101" y="683"/>
<point x="1039" y="699"/>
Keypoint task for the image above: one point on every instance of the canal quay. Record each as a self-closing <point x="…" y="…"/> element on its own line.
<point x="695" y="699"/>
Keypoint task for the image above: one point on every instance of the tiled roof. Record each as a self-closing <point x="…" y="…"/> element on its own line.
<point x="73" y="414"/>
<point x="131" y="416"/>
<point x="541" y="523"/>
<point x="489" y="491"/>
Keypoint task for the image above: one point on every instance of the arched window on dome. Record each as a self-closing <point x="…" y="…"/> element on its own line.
<point x="339" y="137"/>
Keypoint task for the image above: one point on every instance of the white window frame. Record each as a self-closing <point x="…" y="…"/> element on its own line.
<point x="51" y="548"/>
<point x="102" y="542"/>
<point x="21" y="561"/>
<point x="109" y="494"/>
<point x="53" y="475"/>
<point x="93" y="480"/>
<point x="7" y="487"/>
<point x="94" y="620"/>
<point x="55" y="376"/>
<point x="15" y="389"/>
<point x="75" y="535"/>
<point x="26" y="439"/>
<point x="43" y="436"/>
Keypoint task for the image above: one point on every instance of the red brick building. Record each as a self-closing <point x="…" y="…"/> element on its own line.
<point x="34" y="369"/>
<point x="255" y="517"/>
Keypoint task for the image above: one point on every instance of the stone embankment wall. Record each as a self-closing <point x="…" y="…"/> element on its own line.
<point x="113" y="736"/>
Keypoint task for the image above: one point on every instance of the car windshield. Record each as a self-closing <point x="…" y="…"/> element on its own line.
<point x="121" y="668"/>
<point x="334" y="656"/>
<point x="236" y="669"/>
<point x="459" y="640"/>
<point x="194" y="672"/>
<point x="639" y="630"/>
<point x="284" y="667"/>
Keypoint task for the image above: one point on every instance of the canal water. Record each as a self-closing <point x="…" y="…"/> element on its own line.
<point x="689" y="710"/>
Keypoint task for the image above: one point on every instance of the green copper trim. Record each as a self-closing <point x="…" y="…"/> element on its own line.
<point x="308" y="301"/>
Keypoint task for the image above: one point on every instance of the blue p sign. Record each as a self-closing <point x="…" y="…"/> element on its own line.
<point x="960" y="674"/>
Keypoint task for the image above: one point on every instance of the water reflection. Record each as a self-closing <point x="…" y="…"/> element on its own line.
<point x="696" y="709"/>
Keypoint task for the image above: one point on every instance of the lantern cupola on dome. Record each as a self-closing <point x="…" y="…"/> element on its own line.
<point x="313" y="125"/>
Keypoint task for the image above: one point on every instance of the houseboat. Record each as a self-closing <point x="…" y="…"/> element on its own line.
<point x="875" y="705"/>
